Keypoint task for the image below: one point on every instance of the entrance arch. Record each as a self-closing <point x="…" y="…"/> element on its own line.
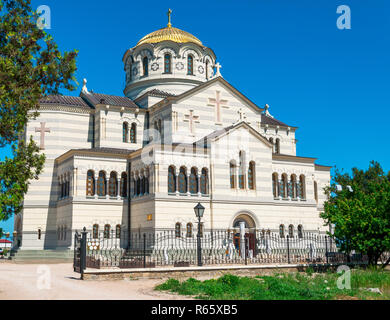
<point x="250" y="231"/>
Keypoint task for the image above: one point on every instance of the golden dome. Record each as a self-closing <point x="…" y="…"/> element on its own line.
<point x="170" y="33"/>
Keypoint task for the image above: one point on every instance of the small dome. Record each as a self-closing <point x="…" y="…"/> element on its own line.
<point x="170" y="33"/>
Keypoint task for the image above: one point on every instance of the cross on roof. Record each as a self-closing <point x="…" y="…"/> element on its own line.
<point x="191" y="119"/>
<point x="218" y="103"/>
<point x="42" y="130"/>
<point x="218" y="67"/>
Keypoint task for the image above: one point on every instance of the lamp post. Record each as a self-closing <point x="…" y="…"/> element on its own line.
<point x="199" y="211"/>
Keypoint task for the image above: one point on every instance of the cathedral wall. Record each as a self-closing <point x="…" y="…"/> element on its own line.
<point x="110" y="126"/>
<point x="69" y="129"/>
<point x="222" y="214"/>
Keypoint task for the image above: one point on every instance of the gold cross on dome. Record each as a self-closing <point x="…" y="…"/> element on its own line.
<point x="169" y="18"/>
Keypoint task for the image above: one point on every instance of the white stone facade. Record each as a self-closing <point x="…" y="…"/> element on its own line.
<point x="104" y="153"/>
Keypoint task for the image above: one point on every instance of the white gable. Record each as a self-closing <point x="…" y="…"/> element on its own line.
<point x="209" y="109"/>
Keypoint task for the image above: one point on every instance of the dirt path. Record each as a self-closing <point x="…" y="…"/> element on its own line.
<point x="59" y="282"/>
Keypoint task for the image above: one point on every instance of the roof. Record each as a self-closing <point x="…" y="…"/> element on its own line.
<point x="220" y="132"/>
<point x="156" y="93"/>
<point x="204" y="85"/>
<point x="272" y="121"/>
<point x="105" y="150"/>
<point x="64" y="100"/>
<point x="171" y="34"/>
<point x="119" y="101"/>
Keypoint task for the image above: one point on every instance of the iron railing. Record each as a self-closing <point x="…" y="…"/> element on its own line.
<point x="150" y="248"/>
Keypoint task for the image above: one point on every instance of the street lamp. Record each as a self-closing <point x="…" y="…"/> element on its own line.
<point x="199" y="211"/>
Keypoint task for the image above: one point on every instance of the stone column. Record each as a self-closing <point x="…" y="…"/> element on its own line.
<point x="242" y="239"/>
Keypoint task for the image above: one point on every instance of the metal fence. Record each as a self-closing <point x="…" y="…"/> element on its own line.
<point x="154" y="248"/>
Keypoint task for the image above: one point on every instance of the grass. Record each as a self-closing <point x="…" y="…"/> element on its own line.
<point x="296" y="286"/>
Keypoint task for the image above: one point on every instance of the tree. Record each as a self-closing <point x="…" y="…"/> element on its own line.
<point x="361" y="214"/>
<point x="31" y="68"/>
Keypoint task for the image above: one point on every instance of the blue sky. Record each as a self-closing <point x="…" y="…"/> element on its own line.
<point x="333" y="84"/>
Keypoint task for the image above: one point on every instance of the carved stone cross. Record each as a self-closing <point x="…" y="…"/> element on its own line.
<point x="242" y="115"/>
<point x="42" y="130"/>
<point x="191" y="119"/>
<point x="218" y="103"/>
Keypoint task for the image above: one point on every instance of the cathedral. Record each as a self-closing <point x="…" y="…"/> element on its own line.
<point x="180" y="135"/>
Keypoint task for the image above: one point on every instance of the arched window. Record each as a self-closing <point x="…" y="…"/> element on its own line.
<point x="167" y="63"/>
<point x="142" y="183"/>
<point x="133" y="133"/>
<point x="194" y="189"/>
<point x="233" y="179"/>
<point x="130" y="72"/>
<point x="204" y="182"/>
<point x="190" y="65"/>
<point x="146" y="182"/>
<point x="291" y="231"/>
<point x="315" y="191"/>
<point x="293" y="187"/>
<point x="207" y="69"/>
<point x="107" y="230"/>
<point x="189" y="230"/>
<point x="113" y="185"/>
<point x="277" y="146"/>
<point x="183" y="180"/>
<point x="302" y="187"/>
<point x="281" y="230"/>
<point x="178" y="230"/>
<point x="275" y="185"/>
<point x="118" y="231"/>
<point x="124" y="185"/>
<point x="251" y="175"/>
<point x="125" y="132"/>
<point x="273" y="145"/>
<point x="102" y="190"/>
<point x="171" y="179"/>
<point x="241" y="174"/>
<point x="39" y="234"/>
<point x="138" y="186"/>
<point x="300" y="232"/>
<point x="90" y="183"/>
<point x="145" y="66"/>
<point x="95" y="231"/>
<point x="284" y="187"/>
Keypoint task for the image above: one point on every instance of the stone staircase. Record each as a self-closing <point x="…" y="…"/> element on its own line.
<point x="41" y="256"/>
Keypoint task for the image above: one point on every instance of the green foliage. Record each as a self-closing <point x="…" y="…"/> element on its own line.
<point x="298" y="286"/>
<point x="31" y="67"/>
<point x="361" y="217"/>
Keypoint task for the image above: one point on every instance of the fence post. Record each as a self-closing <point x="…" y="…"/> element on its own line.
<point x="288" y="250"/>
<point x="326" y="250"/>
<point x="83" y="252"/>
<point x="144" y="250"/>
